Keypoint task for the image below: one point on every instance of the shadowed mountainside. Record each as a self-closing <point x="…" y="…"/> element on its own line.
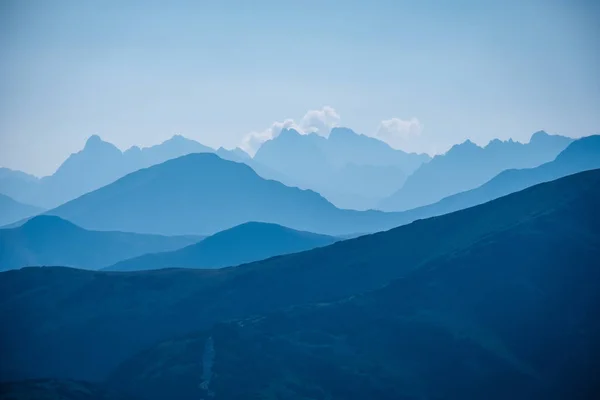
<point x="49" y="389"/>
<point x="245" y="243"/>
<point x="52" y="316"/>
<point x="513" y="315"/>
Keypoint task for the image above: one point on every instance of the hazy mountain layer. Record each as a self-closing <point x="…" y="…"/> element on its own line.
<point x="245" y="243"/>
<point x="204" y="194"/>
<point x="79" y="324"/>
<point x="98" y="164"/>
<point x="49" y="241"/>
<point x="351" y="170"/>
<point x="581" y="155"/>
<point x="467" y="166"/>
<point x="513" y="315"/>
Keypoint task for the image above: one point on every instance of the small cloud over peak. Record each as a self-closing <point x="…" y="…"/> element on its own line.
<point x="320" y="121"/>
<point x="314" y="121"/>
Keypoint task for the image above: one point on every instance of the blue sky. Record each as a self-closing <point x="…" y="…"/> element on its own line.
<point x="437" y="72"/>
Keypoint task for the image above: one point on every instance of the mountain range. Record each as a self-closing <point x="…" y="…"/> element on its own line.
<point x="242" y="244"/>
<point x="97" y="164"/>
<point x="581" y="155"/>
<point x="491" y="288"/>
<point x="349" y="169"/>
<point x="47" y="240"/>
<point x="202" y="194"/>
<point x="467" y="166"/>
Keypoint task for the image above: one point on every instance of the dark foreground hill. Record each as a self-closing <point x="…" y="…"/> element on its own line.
<point x="245" y="243"/>
<point x="204" y="194"/>
<point x="50" y="389"/>
<point x="48" y="240"/>
<point x="513" y="316"/>
<point x="545" y="242"/>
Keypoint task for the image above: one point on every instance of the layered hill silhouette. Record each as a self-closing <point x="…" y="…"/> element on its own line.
<point x="513" y="315"/>
<point x="204" y="194"/>
<point x="13" y="211"/>
<point x="349" y="169"/>
<point x="48" y="241"/>
<point x="98" y="164"/>
<point x="245" y="243"/>
<point x="467" y="166"/>
<point x="510" y="258"/>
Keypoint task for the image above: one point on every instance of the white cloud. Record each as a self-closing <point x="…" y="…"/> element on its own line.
<point x="400" y="134"/>
<point x="320" y="121"/>
<point x="314" y="121"/>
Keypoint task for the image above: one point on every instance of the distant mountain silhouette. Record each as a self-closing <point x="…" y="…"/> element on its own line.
<point x="237" y="155"/>
<point x="97" y="164"/>
<point x="47" y="240"/>
<point x="346" y="146"/>
<point x="351" y="170"/>
<point x="12" y="211"/>
<point x="204" y="194"/>
<point x="581" y="155"/>
<point x="511" y="316"/>
<point x="525" y="265"/>
<point x="467" y="166"/>
<point x="245" y="243"/>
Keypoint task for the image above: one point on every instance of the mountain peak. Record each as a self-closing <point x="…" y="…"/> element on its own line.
<point x="49" y="222"/>
<point x="94" y="141"/>
<point x="341" y="132"/>
<point x="289" y="132"/>
<point x="177" y="138"/>
<point x="466" y="145"/>
<point x="539" y="134"/>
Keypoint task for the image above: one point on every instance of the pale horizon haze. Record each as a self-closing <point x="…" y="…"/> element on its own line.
<point x="421" y="76"/>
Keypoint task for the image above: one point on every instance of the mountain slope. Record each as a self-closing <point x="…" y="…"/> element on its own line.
<point x="245" y="243"/>
<point x="12" y="211"/>
<point x="47" y="240"/>
<point x="511" y="316"/>
<point x="204" y="194"/>
<point x="52" y="315"/>
<point x="467" y="166"/>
